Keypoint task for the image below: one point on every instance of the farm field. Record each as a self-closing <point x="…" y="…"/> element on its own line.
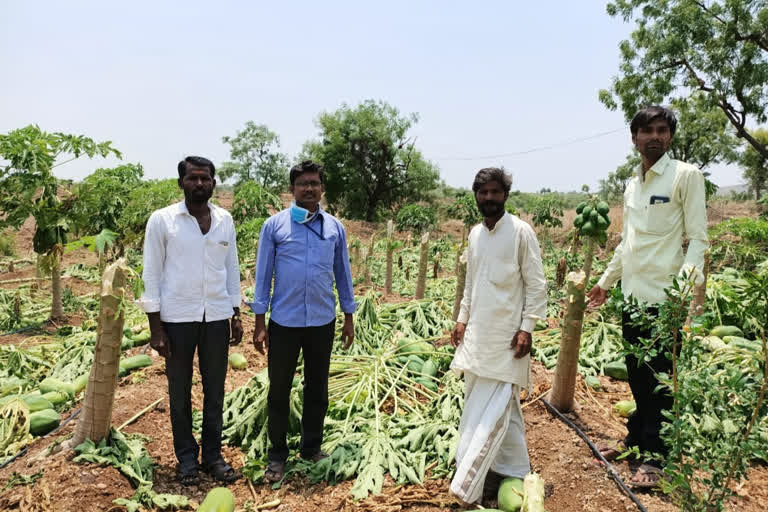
<point x="377" y="400"/>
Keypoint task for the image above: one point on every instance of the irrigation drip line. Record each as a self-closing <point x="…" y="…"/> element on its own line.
<point x="24" y="450"/>
<point x="23" y="329"/>
<point x="597" y="453"/>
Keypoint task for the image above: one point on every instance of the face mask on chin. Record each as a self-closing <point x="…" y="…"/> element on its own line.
<point x="299" y="214"/>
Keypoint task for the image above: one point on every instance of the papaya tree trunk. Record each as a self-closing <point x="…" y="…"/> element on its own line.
<point x="96" y="419"/>
<point x="564" y="380"/>
<point x="11" y="269"/>
<point x="421" y="282"/>
<point x="57" y="309"/>
<point x="390" y="251"/>
<point x="38" y="284"/>
<point x="461" y="281"/>
<point x="436" y="266"/>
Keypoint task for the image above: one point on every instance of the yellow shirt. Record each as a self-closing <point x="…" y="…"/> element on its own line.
<point x="505" y="291"/>
<point x="657" y="212"/>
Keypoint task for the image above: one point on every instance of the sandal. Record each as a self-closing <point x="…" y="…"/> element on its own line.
<point x="274" y="472"/>
<point x="611" y="451"/>
<point x="317" y="457"/>
<point x="221" y="471"/>
<point x="188" y="477"/>
<point x="651" y="475"/>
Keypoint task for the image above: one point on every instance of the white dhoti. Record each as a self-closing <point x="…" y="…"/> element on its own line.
<point x="491" y="436"/>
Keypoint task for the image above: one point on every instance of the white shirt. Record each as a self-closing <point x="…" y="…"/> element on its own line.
<point x="188" y="275"/>
<point x="651" y="248"/>
<point x="505" y="291"/>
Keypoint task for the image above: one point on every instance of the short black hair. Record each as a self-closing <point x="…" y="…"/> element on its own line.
<point x="652" y="113"/>
<point x="488" y="174"/>
<point x="196" y="161"/>
<point x="306" y="166"/>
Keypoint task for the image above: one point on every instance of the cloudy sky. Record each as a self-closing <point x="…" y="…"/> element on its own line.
<point x="494" y="83"/>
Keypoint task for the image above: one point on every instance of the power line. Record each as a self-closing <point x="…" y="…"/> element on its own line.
<point x="536" y="149"/>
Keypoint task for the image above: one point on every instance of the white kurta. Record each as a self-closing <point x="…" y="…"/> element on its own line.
<point x="505" y="291"/>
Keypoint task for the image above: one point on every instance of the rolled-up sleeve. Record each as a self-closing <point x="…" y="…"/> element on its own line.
<point x="692" y="192"/>
<point x="265" y="267"/>
<point x="154" y="259"/>
<point x="343" y="274"/>
<point x="233" y="268"/>
<point x="535" y="282"/>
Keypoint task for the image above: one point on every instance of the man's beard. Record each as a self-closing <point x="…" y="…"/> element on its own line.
<point x="491" y="208"/>
<point x="198" y="196"/>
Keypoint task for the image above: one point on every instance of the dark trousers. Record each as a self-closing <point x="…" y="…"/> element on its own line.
<point x="212" y="342"/>
<point x="284" y="346"/>
<point x="645" y="424"/>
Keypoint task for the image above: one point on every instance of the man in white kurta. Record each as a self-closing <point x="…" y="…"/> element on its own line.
<point x="504" y="296"/>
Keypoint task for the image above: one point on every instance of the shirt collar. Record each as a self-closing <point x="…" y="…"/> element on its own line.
<point x="659" y="167"/>
<point x="499" y="222"/>
<point x="182" y="209"/>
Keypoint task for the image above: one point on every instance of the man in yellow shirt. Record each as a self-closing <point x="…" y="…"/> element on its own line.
<point x="663" y="201"/>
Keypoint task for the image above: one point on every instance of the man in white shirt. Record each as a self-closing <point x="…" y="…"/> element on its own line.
<point x="504" y="296"/>
<point x="664" y="200"/>
<point x="192" y="299"/>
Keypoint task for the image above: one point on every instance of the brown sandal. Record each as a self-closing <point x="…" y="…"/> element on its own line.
<point x="274" y="471"/>
<point x="652" y="473"/>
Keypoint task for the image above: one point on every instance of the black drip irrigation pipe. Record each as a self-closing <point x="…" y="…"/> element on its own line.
<point x="24" y="450"/>
<point x="23" y="329"/>
<point x="597" y="453"/>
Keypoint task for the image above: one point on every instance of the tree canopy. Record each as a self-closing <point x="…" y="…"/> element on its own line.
<point x="756" y="165"/>
<point x="716" y="48"/>
<point x="371" y="163"/>
<point x="255" y="155"/>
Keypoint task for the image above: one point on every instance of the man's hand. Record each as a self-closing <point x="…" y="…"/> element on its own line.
<point x="159" y="341"/>
<point x="260" y="335"/>
<point x="596" y="297"/>
<point x="236" y="330"/>
<point x="521" y="344"/>
<point x="347" y="331"/>
<point x="457" y="335"/>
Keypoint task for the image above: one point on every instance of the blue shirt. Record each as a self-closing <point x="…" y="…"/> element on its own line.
<point x="304" y="260"/>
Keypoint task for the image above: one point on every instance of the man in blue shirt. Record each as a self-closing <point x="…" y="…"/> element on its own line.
<point x="305" y="250"/>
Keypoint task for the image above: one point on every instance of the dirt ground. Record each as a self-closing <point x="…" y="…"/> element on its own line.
<point x="574" y="482"/>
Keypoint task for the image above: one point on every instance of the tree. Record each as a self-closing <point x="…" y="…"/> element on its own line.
<point x="143" y="200"/>
<point x="416" y="218"/>
<point x="465" y="209"/>
<point x="612" y="188"/>
<point x="28" y="187"/>
<point x="718" y="48"/>
<point x="255" y="157"/>
<point x="102" y="196"/>
<point x="371" y="164"/>
<point x="756" y="164"/>
<point x="252" y="200"/>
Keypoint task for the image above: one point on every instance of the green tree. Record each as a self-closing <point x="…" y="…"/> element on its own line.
<point x="252" y="200"/>
<point x="612" y="188"/>
<point x="756" y="165"/>
<point x="255" y="157"/>
<point x="28" y="187"/>
<point x="102" y="196"/>
<point x="416" y="218"/>
<point x="371" y="164"/>
<point x="465" y="210"/>
<point x="143" y="200"/>
<point x="718" y="48"/>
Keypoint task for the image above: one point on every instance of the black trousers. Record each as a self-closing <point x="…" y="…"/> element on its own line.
<point x="211" y="339"/>
<point x="284" y="346"/>
<point x="645" y="424"/>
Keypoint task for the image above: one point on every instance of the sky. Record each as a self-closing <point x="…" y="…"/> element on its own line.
<point x="490" y="81"/>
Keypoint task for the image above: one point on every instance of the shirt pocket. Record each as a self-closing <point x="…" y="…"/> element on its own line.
<point x="503" y="273"/>
<point x="660" y="218"/>
<point x="217" y="253"/>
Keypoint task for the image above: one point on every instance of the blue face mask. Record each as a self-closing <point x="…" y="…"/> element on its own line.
<point x="299" y="214"/>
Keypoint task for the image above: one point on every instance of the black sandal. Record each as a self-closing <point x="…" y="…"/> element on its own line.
<point x="221" y="471"/>
<point x="188" y="478"/>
